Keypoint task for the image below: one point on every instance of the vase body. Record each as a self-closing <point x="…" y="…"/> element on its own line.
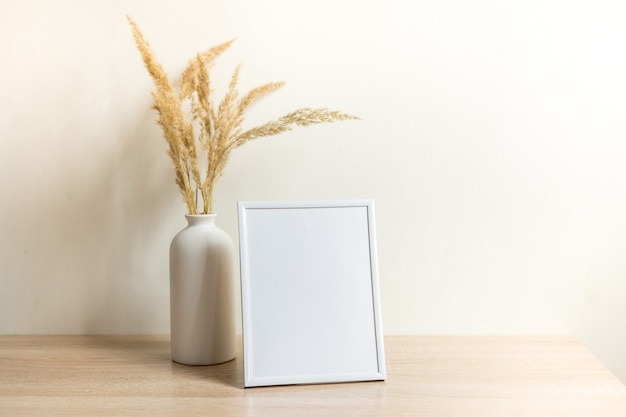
<point x="202" y="293"/>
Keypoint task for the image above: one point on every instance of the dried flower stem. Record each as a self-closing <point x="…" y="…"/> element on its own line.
<point x="218" y="128"/>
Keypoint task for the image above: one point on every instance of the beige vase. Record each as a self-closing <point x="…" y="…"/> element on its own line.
<point x="202" y="293"/>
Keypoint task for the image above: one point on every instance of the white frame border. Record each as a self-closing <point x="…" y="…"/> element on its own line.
<point x="248" y="344"/>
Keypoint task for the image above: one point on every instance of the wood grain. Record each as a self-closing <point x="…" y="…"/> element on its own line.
<point x="427" y="376"/>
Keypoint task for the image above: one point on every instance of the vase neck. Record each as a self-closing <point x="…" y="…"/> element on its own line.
<point x="197" y="219"/>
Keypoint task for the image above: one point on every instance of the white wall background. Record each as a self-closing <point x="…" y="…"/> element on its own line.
<point x="493" y="141"/>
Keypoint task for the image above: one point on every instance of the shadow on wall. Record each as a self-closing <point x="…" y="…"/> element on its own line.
<point x="97" y="260"/>
<point x="134" y="233"/>
<point x="603" y="325"/>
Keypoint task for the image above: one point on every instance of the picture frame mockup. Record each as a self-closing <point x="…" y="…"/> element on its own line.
<point x="310" y="292"/>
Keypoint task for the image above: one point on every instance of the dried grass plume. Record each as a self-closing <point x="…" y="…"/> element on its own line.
<point x="200" y="140"/>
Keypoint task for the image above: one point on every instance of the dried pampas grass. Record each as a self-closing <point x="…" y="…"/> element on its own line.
<point x="200" y="141"/>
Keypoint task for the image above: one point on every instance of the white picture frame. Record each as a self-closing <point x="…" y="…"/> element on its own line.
<point x="310" y="292"/>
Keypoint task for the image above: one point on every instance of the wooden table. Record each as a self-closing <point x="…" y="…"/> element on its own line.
<point x="427" y="376"/>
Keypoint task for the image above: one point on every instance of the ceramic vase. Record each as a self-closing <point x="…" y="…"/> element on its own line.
<point x="202" y="293"/>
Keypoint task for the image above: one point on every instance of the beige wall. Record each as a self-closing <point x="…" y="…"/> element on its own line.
<point x="493" y="142"/>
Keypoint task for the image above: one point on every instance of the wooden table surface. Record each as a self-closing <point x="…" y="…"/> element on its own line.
<point x="427" y="376"/>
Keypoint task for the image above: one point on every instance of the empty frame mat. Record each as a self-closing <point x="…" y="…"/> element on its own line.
<point x="310" y="298"/>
